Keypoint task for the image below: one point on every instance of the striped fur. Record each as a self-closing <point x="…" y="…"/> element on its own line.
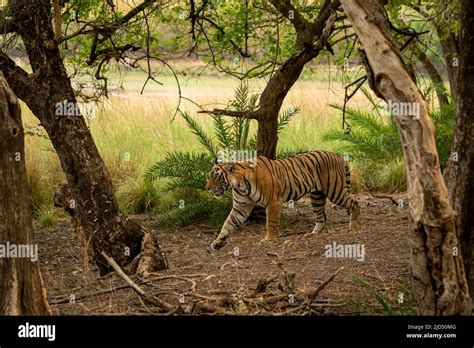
<point x="321" y="174"/>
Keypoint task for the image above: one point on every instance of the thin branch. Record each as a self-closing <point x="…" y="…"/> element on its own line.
<point x="223" y="112"/>
<point x="149" y="298"/>
<point x="78" y="32"/>
<point x="222" y="31"/>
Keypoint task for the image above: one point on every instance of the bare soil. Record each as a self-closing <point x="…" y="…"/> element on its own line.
<point x="245" y="277"/>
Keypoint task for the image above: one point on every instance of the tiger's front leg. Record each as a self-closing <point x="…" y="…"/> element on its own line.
<point x="238" y="215"/>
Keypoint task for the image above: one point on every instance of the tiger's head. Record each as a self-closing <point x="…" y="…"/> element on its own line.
<point x="220" y="179"/>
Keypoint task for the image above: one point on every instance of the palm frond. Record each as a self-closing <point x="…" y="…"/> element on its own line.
<point x="367" y="121"/>
<point x="285" y="117"/>
<point x="202" y="136"/>
<point x="184" y="169"/>
<point x="241" y="97"/>
<point x="221" y="129"/>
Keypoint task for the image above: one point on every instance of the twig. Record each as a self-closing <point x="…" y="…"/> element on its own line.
<point x="315" y="293"/>
<point x="151" y="299"/>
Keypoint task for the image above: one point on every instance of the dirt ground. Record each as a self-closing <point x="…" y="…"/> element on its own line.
<point x="292" y="276"/>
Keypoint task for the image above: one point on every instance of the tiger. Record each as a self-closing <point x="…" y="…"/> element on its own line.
<point x="269" y="183"/>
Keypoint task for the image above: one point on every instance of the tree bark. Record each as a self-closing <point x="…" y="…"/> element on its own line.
<point x="21" y="287"/>
<point x="435" y="77"/>
<point x="460" y="168"/>
<point x="105" y="227"/>
<point x="438" y="278"/>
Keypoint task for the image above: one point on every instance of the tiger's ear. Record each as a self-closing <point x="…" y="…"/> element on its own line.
<point x="230" y="167"/>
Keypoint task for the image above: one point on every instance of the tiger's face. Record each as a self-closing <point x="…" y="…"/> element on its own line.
<point x="218" y="181"/>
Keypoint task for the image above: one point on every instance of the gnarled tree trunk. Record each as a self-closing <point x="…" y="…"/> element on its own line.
<point x="21" y="287"/>
<point x="105" y="227"/>
<point x="438" y="277"/>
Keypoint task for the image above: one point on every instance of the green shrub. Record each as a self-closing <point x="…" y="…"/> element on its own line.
<point x="47" y="216"/>
<point x="374" y="147"/>
<point x="444" y="120"/>
<point x="181" y="210"/>
<point x="138" y="196"/>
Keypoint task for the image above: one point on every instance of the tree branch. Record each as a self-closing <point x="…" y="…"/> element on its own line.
<point x="107" y="31"/>
<point x="19" y="80"/>
<point x="57" y="21"/>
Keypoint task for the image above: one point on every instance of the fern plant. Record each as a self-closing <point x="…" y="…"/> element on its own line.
<point x="374" y="144"/>
<point x="370" y="137"/>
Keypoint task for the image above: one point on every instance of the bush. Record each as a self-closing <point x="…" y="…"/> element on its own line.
<point x="182" y="208"/>
<point x="138" y="196"/>
<point x="47" y="216"/>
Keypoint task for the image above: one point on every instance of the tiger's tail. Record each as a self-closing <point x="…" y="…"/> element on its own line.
<point x="354" y="209"/>
<point x="348" y="177"/>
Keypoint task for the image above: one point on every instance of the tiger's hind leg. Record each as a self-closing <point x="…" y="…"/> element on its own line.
<point x="273" y="221"/>
<point x="352" y="206"/>
<point x="354" y="213"/>
<point x="318" y="202"/>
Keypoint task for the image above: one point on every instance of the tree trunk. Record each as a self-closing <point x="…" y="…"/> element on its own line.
<point x="272" y="98"/>
<point x="438" y="278"/>
<point x="103" y="224"/>
<point x="21" y="287"/>
<point x="450" y="52"/>
<point x="435" y="77"/>
<point x="460" y="169"/>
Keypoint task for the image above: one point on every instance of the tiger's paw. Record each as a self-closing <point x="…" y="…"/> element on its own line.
<point x="267" y="241"/>
<point x="217" y="244"/>
<point x="309" y="235"/>
<point x="354" y="225"/>
<point x="317" y="229"/>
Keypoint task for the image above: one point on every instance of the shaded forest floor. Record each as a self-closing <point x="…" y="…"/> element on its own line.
<point x="283" y="277"/>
